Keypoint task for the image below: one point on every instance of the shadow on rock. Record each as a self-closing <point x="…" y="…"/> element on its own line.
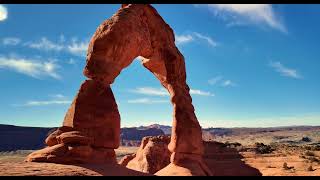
<point x="113" y="170"/>
<point x="224" y="161"/>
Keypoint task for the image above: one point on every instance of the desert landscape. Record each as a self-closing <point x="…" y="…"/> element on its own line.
<point x="261" y="120"/>
<point x="281" y="151"/>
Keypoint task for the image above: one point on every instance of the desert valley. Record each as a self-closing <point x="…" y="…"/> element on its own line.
<point x="288" y="151"/>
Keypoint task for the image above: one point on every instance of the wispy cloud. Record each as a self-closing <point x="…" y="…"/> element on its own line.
<point x="163" y="92"/>
<point x="78" y="48"/>
<point x="56" y="99"/>
<point x="220" y="80"/>
<point x="206" y="38"/>
<point x="147" y="101"/>
<point x="46" y="103"/>
<point x="248" y="14"/>
<point x="74" y="47"/>
<point x="285" y="71"/>
<point x="45" y="44"/>
<point x="3" y="13"/>
<point x="11" y="41"/>
<point x="150" y="91"/>
<point x="200" y="92"/>
<point x="182" y="39"/>
<point x="30" y="67"/>
<point x="215" y="80"/>
<point x="58" y="96"/>
<point x="227" y="83"/>
<point x="194" y="36"/>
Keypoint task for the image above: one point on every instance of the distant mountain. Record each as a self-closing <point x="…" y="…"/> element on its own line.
<point x="14" y="138"/>
<point x="29" y="138"/>
<point x="22" y="138"/>
<point x="165" y="129"/>
<point x="137" y="134"/>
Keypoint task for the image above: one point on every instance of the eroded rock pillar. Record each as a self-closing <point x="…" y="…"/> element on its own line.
<point x="90" y="131"/>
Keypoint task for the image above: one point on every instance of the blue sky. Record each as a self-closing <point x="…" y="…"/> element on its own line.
<point x="247" y="65"/>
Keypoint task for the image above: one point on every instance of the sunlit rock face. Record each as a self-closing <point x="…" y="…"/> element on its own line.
<point x="92" y="123"/>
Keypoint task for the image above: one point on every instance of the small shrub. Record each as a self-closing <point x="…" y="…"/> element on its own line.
<point x="286" y="167"/>
<point x="310" y="168"/>
<point x="234" y="145"/>
<point x="315" y="148"/>
<point x="306" y="139"/>
<point x="263" y="149"/>
<point x="309" y="153"/>
<point x="307" y="148"/>
<point x="269" y="166"/>
<point x="313" y="159"/>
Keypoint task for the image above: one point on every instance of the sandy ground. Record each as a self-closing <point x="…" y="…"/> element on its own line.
<point x="12" y="164"/>
<point x="220" y="159"/>
<point x="272" y="165"/>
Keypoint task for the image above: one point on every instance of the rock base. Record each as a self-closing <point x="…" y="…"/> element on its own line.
<point x="154" y="157"/>
<point x="70" y="154"/>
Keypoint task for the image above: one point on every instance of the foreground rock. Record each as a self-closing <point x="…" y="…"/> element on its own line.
<point x="152" y="155"/>
<point x="91" y="130"/>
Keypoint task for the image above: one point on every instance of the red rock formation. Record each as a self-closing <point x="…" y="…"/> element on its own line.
<point x="138" y="30"/>
<point x="90" y="132"/>
<point x="152" y="155"/>
<point x="126" y="159"/>
<point x="135" y="30"/>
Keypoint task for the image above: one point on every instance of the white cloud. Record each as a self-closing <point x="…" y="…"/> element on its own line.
<point x="58" y="96"/>
<point x="285" y="71"/>
<point x="182" y="39"/>
<point x="45" y="44"/>
<point x="195" y="36"/>
<point x="75" y="47"/>
<point x="46" y="103"/>
<point x="146" y="101"/>
<point x="3" y="13"/>
<point x="163" y="92"/>
<point x="78" y="48"/>
<point x="56" y="99"/>
<point x="30" y="67"/>
<point x="249" y="13"/>
<point x="151" y="91"/>
<point x="222" y="82"/>
<point x="227" y="83"/>
<point x="206" y="38"/>
<point x="215" y="80"/>
<point x="11" y="41"/>
<point x="200" y="92"/>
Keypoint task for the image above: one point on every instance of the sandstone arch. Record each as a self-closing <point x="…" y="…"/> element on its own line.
<point x="91" y="128"/>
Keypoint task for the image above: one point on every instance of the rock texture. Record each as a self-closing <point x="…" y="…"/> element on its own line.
<point x="152" y="155"/>
<point x="138" y="30"/>
<point x="90" y="132"/>
<point x="135" y="30"/>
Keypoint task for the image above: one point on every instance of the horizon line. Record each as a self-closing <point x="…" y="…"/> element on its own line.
<point x="239" y="127"/>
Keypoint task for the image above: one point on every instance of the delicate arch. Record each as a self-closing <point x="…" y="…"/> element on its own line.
<point x="138" y="30"/>
<point x="92" y="124"/>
